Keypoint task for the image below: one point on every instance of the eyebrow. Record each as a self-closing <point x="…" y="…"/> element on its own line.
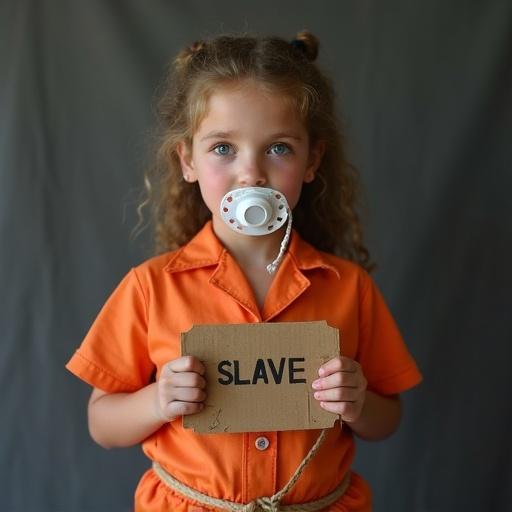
<point x="217" y="135"/>
<point x="227" y="135"/>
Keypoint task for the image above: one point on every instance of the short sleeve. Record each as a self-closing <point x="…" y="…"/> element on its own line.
<point x="387" y="364"/>
<point x="114" y="354"/>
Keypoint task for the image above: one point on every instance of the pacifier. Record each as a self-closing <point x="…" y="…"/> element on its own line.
<point x="257" y="211"/>
<point x="254" y="210"/>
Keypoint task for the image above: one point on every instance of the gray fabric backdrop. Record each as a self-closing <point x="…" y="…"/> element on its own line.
<point x="425" y="88"/>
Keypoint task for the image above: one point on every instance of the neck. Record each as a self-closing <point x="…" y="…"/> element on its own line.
<point x="249" y="251"/>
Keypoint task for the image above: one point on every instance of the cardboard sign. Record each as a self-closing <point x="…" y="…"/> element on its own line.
<point x="259" y="375"/>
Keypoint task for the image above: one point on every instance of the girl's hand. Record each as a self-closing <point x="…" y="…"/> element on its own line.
<point x="341" y="388"/>
<point x="180" y="389"/>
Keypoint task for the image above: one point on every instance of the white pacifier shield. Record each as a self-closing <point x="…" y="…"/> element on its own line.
<point x="254" y="210"/>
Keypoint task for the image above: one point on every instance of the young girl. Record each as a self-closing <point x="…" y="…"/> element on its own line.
<point x="251" y="146"/>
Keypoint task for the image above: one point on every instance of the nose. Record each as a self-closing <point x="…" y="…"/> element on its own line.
<point x="252" y="174"/>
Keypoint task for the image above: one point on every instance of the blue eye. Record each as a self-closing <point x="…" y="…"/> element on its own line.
<point x="279" y="149"/>
<point x="223" y="149"/>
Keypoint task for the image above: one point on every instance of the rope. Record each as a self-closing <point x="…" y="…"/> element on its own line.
<point x="272" y="267"/>
<point x="264" y="504"/>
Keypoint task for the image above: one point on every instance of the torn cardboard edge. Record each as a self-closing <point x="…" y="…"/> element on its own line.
<point x="259" y="375"/>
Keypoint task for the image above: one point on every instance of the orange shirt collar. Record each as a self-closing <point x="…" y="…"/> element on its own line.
<point x="205" y="250"/>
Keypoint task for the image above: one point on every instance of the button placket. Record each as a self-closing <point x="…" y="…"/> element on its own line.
<point x="261" y="464"/>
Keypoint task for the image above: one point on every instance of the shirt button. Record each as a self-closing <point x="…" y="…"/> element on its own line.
<point x="262" y="443"/>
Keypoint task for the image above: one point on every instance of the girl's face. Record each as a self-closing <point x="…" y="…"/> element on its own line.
<point x="249" y="138"/>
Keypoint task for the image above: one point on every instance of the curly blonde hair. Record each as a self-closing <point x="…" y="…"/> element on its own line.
<point x="326" y="214"/>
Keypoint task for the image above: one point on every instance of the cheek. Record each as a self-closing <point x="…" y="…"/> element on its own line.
<point x="292" y="194"/>
<point x="290" y="183"/>
<point x="214" y="184"/>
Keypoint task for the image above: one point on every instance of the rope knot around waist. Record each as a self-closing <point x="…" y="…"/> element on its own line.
<point x="262" y="504"/>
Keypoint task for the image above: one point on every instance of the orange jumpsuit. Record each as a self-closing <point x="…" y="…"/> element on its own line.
<point x="138" y="331"/>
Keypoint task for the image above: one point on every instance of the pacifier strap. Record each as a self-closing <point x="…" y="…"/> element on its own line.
<point x="272" y="267"/>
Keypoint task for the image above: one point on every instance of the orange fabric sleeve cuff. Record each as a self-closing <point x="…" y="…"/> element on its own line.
<point x="398" y="383"/>
<point x="97" y="377"/>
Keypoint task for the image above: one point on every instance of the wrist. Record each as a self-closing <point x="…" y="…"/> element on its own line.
<point x="379" y="417"/>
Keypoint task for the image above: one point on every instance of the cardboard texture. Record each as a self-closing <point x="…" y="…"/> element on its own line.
<point x="259" y="375"/>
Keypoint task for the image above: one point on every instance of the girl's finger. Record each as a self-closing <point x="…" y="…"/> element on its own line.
<point x="183" y="380"/>
<point x="187" y="395"/>
<point x="338" y="364"/>
<point x="337" y="380"/>
<point x="347" y="411"/>
<point x="175" y="409"/>
<point x="335" y="407"/>
<point x="183" y="364"/>
<point x="338" y="395"/>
